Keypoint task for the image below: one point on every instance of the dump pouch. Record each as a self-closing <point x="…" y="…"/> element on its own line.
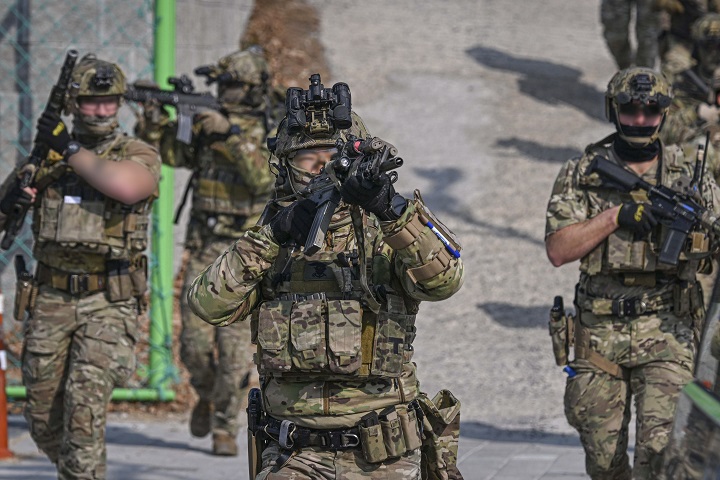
<point x="441" y="428"/>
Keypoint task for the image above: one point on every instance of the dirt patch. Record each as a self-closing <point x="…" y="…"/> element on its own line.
<point x="288" y="32"/>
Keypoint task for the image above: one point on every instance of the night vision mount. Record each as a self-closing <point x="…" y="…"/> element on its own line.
<point x="318" y="109"/>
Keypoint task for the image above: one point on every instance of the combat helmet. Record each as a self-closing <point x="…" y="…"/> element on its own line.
<point x="706" y="36"/>
<point x="93" y="77"/>
<point x="242" y="76"/>
<point x="637" y="84"/>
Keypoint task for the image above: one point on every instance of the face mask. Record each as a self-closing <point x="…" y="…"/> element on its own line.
<point x="94" y="125"/>
<point x="299" y="177"/>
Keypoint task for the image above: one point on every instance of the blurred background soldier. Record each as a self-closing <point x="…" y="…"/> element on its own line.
<point x="90" y="227"/>
<point x="676" y="42"/>
<point x="231" y="184"/>
<point x="615" y="16"/>
<point x="638" y="320"/>
<point x="694" y="111"/>
<point x="334" y="330"/>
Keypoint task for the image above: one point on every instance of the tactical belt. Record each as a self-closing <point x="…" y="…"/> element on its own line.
<point x="292" y="437"/>
<point x="304" y="297"/>
<point x="626" y="307"/>
<point x="73" y="283"/>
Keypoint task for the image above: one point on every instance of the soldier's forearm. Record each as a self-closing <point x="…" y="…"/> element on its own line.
<point x="575" y="241"/>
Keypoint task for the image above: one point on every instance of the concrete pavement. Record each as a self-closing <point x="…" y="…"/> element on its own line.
<point x="155" y="450"/>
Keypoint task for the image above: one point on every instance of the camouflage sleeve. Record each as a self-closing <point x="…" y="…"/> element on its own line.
<point x="248" y="152"/>
<point x="426" y="270"/>
<point x="227" y="290"/>
<point x="140" y="152"/>
<point x="567" y="205"/>
<point x="681" y="123"/>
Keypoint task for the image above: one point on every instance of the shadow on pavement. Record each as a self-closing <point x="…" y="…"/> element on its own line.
<point x="515" y="316"/>
<point x="545" y="81"/>
<point x="126" y="435"/>
<point x="538" y="151"/>
<point x="484" y="431"/>
<point x="439" y="200"/>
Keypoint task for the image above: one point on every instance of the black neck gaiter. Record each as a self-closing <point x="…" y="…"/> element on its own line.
<point x="632" y="154"/>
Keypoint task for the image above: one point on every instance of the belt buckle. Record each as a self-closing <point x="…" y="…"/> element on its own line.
<point x="78" y="283"/>
<point x="630" y="307"/>
<point x="340" y="440"/>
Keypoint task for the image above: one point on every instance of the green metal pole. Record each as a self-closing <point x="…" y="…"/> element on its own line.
<point x="17" y="392"/>
<point x="161" y="297"/>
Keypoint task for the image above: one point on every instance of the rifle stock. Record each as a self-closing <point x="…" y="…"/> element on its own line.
<point x="39" y="153"/>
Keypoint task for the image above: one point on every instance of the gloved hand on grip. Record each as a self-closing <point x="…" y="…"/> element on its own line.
<point x="15" y="195"/>
<point x="213" y="122"/>
<point x="636" y="217"/>
<point x="53" y="132"/>
<point x="374" y="197"/>
<point x="293" y="222"/>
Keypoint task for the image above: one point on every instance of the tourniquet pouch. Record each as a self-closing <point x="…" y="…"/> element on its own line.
<point x="441" y="428"/>
<point x="392" y="432"/>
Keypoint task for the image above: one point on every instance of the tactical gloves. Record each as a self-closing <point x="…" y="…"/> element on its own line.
<point x="636" y="217"/>
<point x="377" y="197"/>
<point x="293" y="222"/>
<point x="51" y="131"/>
<point x="213" y="122"/>
<point x="14" y="196"/>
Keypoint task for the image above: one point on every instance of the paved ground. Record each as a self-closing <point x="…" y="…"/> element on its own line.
<point x="142" y="450"/>
<point x="484" y="99"/>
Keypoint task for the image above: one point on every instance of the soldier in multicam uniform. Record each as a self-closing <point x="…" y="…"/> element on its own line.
<point x="694" y="111"/>
<point x="90" y="228"/>
<point x="334" y="330"/>
<point x="231" y="185"/>
<point x="638" y="320"/>
<point x="615" y="16"/>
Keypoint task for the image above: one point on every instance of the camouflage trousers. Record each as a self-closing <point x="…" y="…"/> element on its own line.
<point x="656" y="353"/>
<point x="223" y="382"/>
<point x="76" y="350"/>
<point x="316" y="464"/>
<point x="615" y="16"/>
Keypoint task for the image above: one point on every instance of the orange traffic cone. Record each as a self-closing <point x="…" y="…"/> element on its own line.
<point x="5" y="452"/>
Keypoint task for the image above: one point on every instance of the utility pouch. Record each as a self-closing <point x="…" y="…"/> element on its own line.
<point x="371" y="438"/>
<point x="558" y="327"/>
<point x="410" y="426"/>
<point x="23" y="296"/>
<point x="392" y="432"/>
<point x="119" y="284"/>
<point x="441" y="427"/>
<point x="272" y="335"/>
<point x="24" y="290"/>
<point x="139" y="275"/>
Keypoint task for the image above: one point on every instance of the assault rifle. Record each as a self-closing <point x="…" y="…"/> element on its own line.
<point x="365" y="158"/>
<point x="39" y="153"/>
<point x="182" y="98"/>
<point x="678" y="210"/>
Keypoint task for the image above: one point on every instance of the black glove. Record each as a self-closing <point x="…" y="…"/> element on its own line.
<point x="51" y="131"/>
<point x="293" y="222"/>
<point x="636" y="217"/>
<point x="374" y="197"/>
<point x="13" y="196"/>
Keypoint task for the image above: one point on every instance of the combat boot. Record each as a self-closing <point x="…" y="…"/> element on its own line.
<point x="224" y="445"/>
<point x="200" y="419"/>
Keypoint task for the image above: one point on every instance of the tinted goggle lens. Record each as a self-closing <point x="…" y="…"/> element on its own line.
<point x="649" y="110"/>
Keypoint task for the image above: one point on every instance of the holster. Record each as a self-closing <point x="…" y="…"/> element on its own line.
<point x="257" y="440"/>
<point x="561" y="328"/>
<point x="25" y="295"/>
<point x="441" y="428"/>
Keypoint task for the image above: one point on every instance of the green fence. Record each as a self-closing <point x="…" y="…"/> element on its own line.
<point x="34" y="36"/>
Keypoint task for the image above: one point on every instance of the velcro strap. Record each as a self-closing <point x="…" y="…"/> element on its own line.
<point x="435" y="267"/>
<point x="405" y="237"/>
<point x="599" y="361"/>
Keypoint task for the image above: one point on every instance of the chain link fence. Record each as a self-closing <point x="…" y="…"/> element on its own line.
<point x="34" y="37"/>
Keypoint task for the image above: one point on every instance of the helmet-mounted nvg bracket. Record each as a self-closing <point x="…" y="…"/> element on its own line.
<point x="103" y="78"/>
<point x="318" y="110"/>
